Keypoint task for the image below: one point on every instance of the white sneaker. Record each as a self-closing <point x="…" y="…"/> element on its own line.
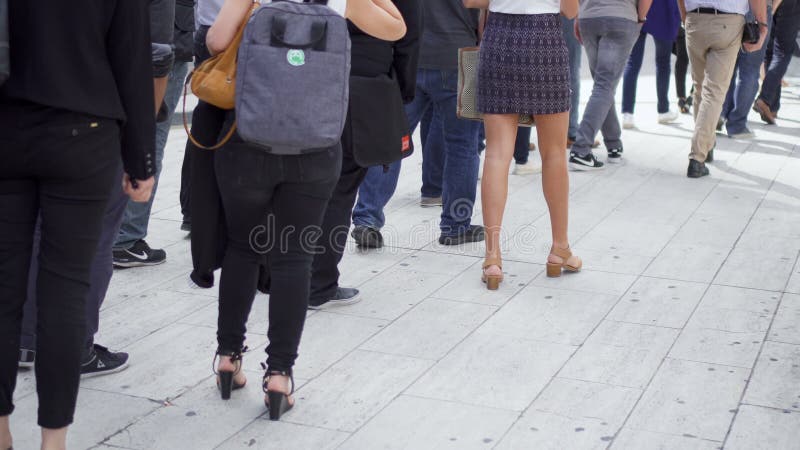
<point x="668" y="117"/>
<point x="528" y="168"/>
<point x="627" y="121"/>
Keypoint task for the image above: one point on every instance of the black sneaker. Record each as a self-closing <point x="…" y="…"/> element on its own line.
<point x="584" y="163"/>
<point x="101" y="361"/>
<point x="475" y="233"/>
<point x="614" y="155"/>
<point x="139" y="255"/>
<point x="696" y="169"/>
<point x="342" y="297"/>
<point x="26" y="358"/>
<point x="367" y="237"/>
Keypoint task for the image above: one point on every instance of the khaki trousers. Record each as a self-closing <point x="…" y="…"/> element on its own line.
<point x="713" y="41"/>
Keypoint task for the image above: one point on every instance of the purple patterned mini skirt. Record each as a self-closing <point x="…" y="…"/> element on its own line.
<point x="524" y="65"/>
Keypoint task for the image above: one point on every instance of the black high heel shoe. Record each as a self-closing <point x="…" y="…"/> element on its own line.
<point x="277" y="402"/>
<point x="226" y="379"/>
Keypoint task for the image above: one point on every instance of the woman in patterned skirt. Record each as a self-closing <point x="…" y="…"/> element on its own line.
<point x="524" y="69"/>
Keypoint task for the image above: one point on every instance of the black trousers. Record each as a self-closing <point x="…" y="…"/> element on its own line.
<point x="62" y="166"/>
<point x="336" y="225"/>
<point x="681" y="64"/>
<point x="294" y="190"/>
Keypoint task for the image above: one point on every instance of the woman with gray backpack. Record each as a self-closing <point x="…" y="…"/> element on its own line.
<point x="279" y="169"/>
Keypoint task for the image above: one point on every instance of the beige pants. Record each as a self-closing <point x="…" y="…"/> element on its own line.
<point x="713" y="42"/>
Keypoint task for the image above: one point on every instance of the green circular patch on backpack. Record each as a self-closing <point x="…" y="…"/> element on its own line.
<point x="296" y="57"/>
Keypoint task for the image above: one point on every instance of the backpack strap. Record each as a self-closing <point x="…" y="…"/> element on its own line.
<point x="319" y="32"/>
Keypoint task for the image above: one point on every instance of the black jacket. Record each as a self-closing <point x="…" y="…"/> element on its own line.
<point x="371" y="56"/>
<point x="90" y="57"/>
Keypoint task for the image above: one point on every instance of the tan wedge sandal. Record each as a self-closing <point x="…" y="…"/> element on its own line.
<point x="554" y="269"/>
<point x="492" y="281"/>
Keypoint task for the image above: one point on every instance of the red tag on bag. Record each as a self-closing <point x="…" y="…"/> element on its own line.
<point x="406" y="143"/>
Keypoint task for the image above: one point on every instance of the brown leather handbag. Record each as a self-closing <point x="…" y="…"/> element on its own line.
<point x="214" y="82"/>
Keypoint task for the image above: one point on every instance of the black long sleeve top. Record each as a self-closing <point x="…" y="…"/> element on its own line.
<point x="92" y="57"/>
<point x="371" y="55"/>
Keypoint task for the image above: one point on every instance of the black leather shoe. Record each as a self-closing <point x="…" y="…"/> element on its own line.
<point x="475" y="233"/>
<point x="367" y="237"/>
<point x="696" y="169"/>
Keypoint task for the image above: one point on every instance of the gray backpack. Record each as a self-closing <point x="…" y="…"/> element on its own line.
<point x="5" y="57"/>
<point x="292" y="78"/>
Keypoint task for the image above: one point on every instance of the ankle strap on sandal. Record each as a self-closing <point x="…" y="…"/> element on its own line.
<point x="497" y="261"/>
<point x="563" y="253"/>
<point x="282" y="373"/>
<point x="234" y="355"/>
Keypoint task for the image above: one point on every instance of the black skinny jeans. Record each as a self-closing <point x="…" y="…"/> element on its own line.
<point x="295" y="190"/>
<point x="61" y="165"/>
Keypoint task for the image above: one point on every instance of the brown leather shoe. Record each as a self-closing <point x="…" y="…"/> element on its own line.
<point x="762" y="108"/>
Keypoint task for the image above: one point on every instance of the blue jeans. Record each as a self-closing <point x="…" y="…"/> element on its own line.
<point x="437" y="89"/>
<point x="432" y="135"/>
<point x="785" y="35"/>
<point x="608" y="42"/>
<point x="137" y="215"/>
<point x="744" y="86"/>
<point x="574" y="47"/>
<point x="663" y="74"/>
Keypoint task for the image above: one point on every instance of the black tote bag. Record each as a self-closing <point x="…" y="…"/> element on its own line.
<point x="5" y="57"/>
<point x="378" y="124"/>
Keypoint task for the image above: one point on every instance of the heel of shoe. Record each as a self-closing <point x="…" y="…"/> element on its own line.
<point x="493" y="282"/>
<point x="225" y="384"/>
<point x="278" y="404"/>
<point x="553" y="270"/>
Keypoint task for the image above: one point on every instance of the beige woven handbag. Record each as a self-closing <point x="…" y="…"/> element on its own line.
<point x="468" y="87"/>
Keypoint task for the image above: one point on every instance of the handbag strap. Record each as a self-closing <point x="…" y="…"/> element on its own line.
<point x="219" y="145"/>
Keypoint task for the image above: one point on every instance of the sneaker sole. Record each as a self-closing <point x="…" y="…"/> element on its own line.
<point x="336" y="304"/>
<point x="628" y="127"/>
<point x="26" y="365"/>
<point x="667" y="122"/>
<point x="105" y="372"/>
<point x="613" y="161"/>
<point x="581" y="168"/>
<point x="128" y="265"/>
<point x="432" y="205"/>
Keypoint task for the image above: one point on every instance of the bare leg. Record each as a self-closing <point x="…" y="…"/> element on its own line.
<point x="552" y="131"/>
<point x="501" y="134"/>
<point x="160" y="90"/>
<point x="54" y="439"/>
<point x="5" y="433"/>
<point x="226" y="365"/>
<point x="281" y="383"/>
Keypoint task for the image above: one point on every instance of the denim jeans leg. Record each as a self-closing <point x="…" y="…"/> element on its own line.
<point x="432" y="154"/>
<point x="574" y="48"/>
<point x="744" y="85"/>
<point x="630" y="79"/>
<point x="785" y="33"/>
<point x="608" y="42"/>
<point x="137" y="215"/>
<point x="663" y="73"/>
<point x="378" y="187"/>
<point x="460" y="181"/>
<point x="522" y="147"/>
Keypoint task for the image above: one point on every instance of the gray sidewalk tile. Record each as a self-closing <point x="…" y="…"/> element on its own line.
<point x="688" y="262"/>
<point x="738" y="349"/>
<point x="512" y="371"/>
<point x="621" y="354"/>
<point x="418" y="423"/>
<point x="552" y="315"/>
<point x="654" y="301"/>
<point x="794" y="281"/>
<point x="758" y="268"/>
<point x="266" y="435"/>
<point x="757" y="428"/>
<point x="392" y="293"/>
<point x="712" y="229"/>
<point x="572" y="414"/>
<point x="430" y="330"/>
<point x="97" y="415"/>
<point x="735" y="309"/>
<point x="690" y="398"/>
<point x="348" y="394"/>
<point x="197" y="420"/>
<point x="777" y="361"/>
<point x="588" y="281"/>
<point x="329" y="337"/>
<point x="629" y="439"/>
<point x="468" y="287"/>
<point x="786" y="327"/>
<point x="642" y="238"/>
<point x="613" y="261"/>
